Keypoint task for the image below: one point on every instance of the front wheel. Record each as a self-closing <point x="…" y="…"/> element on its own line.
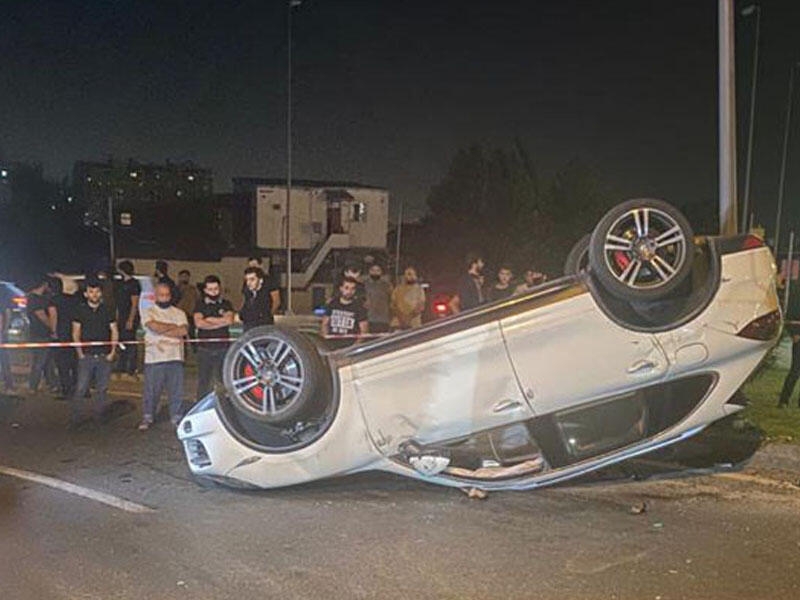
<point x="642" y="250"/>
<point x="275" y="375"/>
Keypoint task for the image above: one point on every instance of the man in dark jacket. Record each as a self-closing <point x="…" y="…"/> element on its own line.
<point x="792" y="322"/>
<point x="258" y="306"/>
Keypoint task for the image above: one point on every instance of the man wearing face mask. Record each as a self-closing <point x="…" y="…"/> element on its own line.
<point x="213" y="317"/>
<point x="165" y="327"/>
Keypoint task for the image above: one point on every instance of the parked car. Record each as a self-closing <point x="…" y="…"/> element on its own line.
<point x="644" y="348"/>
<point x="13" y="303"/>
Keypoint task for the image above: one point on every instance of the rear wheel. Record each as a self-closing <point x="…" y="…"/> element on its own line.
<point x="642" y="250"/>
<point x="275" y="375"/>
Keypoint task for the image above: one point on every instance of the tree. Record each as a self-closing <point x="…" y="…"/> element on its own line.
<point x="493" y="201"/>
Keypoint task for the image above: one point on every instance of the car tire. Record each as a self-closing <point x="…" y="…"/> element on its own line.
<point x="276" y="376"/>
<point x="642" y="250"/>
<point x="578" y="258"/>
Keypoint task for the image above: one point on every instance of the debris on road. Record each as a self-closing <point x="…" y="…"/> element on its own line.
<point x="475" y="493"/>
<point x="639" y="508"/>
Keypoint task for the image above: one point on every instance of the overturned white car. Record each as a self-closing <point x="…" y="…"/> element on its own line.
<point x="643" y="348"/>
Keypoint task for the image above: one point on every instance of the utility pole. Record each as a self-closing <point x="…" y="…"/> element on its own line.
<point x="789" y="258"/>
<point x="782" y="180"/>
<point x="747" y="11"/>
<point x="111" y="230"/>
<point x="290" y="5"/>
<point x="727" y="120"/>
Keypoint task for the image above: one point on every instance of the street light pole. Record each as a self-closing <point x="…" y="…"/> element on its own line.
<point x="398" y="234"/>
<point x="112" y="262"/>
<point x="782" y="180"/>
<point x="727" y="120"/>
<point x="747" y="11"/>
<point x="290" y="5"/>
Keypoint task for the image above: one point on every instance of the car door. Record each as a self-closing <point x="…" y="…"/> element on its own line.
<point x="441" y="387"/>
<point x="568" y="352"/>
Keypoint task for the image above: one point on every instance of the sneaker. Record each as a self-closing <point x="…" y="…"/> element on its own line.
<point x="145" y="425"/>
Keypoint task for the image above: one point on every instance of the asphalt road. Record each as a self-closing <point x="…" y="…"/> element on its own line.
<point x="370" y="536"/>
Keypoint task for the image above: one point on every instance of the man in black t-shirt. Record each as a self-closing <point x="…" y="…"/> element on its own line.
<point x="42" y="319"/>
<point x="66" y="358"/>
<point x="345" y="314"/>
<point x="259" y="294"/>
<point x="161" y="274"/>
<point x="128" y="292"/>
<point x="213" y="317"/>
<point x="470" y="287"/>
<point x="93" y="322"/>
<point x="792" y="324"/>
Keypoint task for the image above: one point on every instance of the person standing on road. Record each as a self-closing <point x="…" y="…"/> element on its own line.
<point x="792" y="323"/>
<point x="161" y="274"/>
<point x="271" y="280"/>
<point x="469" y="293"/>
<point x="408" y="301"/>
<point x="128" y="293"/>
<point x="502" y="287"/>
<point x="257" y="308"/>
<point x="165" y="327"/>
<point x="93" y="322"/>
<point x="531" y="280"/>
<point x="213" y="317"/>
<point x="379" y="294"/>
<point x="345" y="314"/>
<point x="189" y="297"/>
<point x="42" y="318"/>
<point x="5" y="364"/>
<point x="65" y="358"/>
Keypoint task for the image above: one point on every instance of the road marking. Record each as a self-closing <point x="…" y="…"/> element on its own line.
<point x="71" y="488"/>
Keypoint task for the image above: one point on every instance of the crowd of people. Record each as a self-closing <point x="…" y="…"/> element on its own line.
<point x="473" y="290"/>
<point x="96" y="328"/>
<point x="82" y="340"/>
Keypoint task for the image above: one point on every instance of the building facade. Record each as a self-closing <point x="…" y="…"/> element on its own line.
<point x="129" y="184"/>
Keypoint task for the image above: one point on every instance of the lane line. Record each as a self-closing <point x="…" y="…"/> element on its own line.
<point x="71" y="488"/>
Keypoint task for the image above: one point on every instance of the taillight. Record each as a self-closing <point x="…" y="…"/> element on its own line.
<point x="440" y="308"/>
<point x="765" y="327"/>
<point x="752" y="241"/>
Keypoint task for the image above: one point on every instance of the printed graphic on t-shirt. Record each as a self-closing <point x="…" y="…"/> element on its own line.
<point x="343" y="322"/>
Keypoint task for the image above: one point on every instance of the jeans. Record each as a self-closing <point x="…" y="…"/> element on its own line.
<point x="39" y="358"/>
<point x="97" y="367"/>
<point x="792" y="376"/>
<point x="157" y="377"/>
<point x="67" y="363"/>
<point x="128" y="358"/>
<point x="209" y="370"/>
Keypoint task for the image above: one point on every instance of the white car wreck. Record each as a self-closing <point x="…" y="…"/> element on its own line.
<point x="644" y="347"/>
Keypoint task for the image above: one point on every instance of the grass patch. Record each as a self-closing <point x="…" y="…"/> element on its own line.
<point x="778" y="424"/>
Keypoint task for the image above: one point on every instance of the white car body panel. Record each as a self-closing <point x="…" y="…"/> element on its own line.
<point x="567" y="353"/>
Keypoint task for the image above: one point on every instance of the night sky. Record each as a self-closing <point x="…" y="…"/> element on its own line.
<point x="386" y="92"/>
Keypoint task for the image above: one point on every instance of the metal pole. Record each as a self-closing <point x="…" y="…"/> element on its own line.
<point x="788" y="272"/>
<point x="754" y="8"/>
<point x="782" y="181"/>
<point x="397" y="249"/>
<point x="727" y="120"/>
<point x="290" y="4"/>
<point x="111" y="230"/>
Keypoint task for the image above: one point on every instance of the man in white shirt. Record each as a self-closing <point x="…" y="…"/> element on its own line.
<point x="165" y="327"/>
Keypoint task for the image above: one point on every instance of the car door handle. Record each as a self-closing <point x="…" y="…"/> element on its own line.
<point x="642" y="366"/>
<point x="504" y="405"/>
